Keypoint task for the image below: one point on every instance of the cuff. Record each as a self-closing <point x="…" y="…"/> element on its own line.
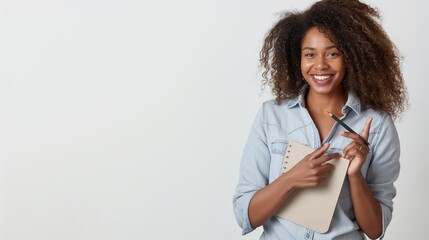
<point x="387" y="217"/>
<point x="242" y="212"/>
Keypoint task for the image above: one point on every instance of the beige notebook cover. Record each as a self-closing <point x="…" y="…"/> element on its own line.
<point x="312" y="208"/>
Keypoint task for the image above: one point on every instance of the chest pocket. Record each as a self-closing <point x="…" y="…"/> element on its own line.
<point x="278" y="146"/>
<point x="277" y="150"/>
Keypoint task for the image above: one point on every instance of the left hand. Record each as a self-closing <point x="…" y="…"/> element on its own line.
<point x="357" y="150"/>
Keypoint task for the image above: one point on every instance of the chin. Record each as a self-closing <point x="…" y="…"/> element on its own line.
<point x="325" y="90"/>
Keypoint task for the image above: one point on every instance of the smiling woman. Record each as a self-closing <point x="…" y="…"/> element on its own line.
<point x="323" y="68"/>
<point x="322" y="64"/>
<point x="333" y="57"/>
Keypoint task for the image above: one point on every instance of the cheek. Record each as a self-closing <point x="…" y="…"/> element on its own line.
<point x="305" y="66"/>
<point x="341" y="66"/>
<point x="342" y="72"/>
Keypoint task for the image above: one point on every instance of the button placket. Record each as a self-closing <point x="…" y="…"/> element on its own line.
<point x="308" y="234"/>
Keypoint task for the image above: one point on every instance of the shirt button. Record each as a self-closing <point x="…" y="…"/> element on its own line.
<point x="308" y="234"/>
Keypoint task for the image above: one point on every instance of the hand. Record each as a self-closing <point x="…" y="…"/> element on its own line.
<point x="357" y="150"/>
<point x="312" y="170"/>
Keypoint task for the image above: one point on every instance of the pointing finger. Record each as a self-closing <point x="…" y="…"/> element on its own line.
<point x="319" y="152"/>
<point x="365" y="131"/>
<point x="323" y="159"/>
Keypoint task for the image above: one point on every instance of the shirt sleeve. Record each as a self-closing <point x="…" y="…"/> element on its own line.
<point x="384" y="168"/>
<point x="254" y="172"/>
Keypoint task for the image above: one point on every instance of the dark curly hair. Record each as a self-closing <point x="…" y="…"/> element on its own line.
<point x="372" y="60"/>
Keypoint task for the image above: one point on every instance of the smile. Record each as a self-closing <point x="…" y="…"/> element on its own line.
<point x="321" y="77"/>
<point x="322" y="80"/>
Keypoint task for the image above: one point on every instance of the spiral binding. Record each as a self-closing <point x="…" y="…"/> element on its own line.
<point x="285" y="161"/>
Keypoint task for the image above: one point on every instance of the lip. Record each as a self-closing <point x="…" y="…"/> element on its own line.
<point x="323" y="81"/>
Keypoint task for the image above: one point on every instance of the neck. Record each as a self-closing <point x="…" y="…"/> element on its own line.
<point x="320" y="103"/>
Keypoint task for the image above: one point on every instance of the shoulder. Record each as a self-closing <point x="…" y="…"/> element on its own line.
<point x="383" y="130"/>
<point x="272" y="109"/>
<point x="273" y="105"/>
<point x="380" y="119"/>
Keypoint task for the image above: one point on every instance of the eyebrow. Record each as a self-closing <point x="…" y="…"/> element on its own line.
<point x="312" y="49"/>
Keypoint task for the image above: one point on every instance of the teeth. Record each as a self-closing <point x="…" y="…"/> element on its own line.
<point x="321" y="77"/>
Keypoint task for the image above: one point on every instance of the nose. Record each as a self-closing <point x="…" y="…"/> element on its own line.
<point x="321" y="63"/>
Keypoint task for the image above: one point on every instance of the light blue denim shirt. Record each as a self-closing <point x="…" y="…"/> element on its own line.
<point x="276" y="124"/>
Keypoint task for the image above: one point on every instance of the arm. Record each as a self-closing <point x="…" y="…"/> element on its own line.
<point x="366" y="208"/>
<point x="255" y="200"/>
<point x="309" y="172"/>
<point x="372" y="195"/>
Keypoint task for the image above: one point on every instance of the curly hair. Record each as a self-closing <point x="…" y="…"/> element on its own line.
<point x="373" y="63"/>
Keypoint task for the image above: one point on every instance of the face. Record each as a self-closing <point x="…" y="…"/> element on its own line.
<point x="322" y="64"/>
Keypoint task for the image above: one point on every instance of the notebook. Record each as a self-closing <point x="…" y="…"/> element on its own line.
<point x="314" y="207"/>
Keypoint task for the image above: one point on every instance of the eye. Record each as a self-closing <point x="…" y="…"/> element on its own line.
<point x="333" y="54"/>
<point x="309" y="55"/>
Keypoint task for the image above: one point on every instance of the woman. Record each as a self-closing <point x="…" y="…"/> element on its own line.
<point x="332" y="57"/>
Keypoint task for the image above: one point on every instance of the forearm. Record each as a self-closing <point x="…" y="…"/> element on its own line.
<point x="366" y="208"/>
<point x="267" y="200"/>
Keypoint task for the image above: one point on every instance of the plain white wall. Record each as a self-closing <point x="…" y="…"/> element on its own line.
<point x="126" y="119"/>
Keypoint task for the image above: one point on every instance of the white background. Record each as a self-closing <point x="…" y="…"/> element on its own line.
<point x="126" y="119"/>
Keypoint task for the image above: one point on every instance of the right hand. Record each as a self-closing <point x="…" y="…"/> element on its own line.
<point x="312" y="170"/>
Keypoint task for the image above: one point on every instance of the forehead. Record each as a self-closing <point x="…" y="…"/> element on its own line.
<point x="315" y="38"/>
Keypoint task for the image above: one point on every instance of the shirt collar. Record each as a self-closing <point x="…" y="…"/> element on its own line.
<point x="296" y="101"/>
<point x="300" y="100"/>
<point x="352" y="101"/>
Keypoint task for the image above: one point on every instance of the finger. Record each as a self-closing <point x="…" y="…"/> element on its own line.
<point x="326" y="169"/>
<point x="352" y="153"/>
<point x="360" y="146"/>
<point x="348" y="152"/>
<point x="325" y="175"/>
<point x="367" y="126"/>
<point x="321" y="170"/>
<point x="319" y="152"/>
<point x="324" y="158"/>
<point x="355" y="137"/>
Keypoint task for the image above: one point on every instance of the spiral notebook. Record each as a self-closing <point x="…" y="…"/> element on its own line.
<point x="314" y="207"/>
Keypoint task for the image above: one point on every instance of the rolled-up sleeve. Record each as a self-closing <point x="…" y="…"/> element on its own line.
<point x="254" y="171"/>
<point x="384" y="168"/>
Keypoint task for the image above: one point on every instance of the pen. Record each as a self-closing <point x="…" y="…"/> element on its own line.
<point x="345" y="126"/>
